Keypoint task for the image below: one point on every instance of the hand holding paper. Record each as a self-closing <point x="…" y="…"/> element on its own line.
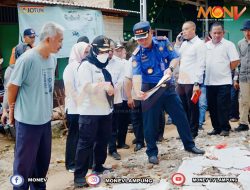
<point x="163" y="80"/>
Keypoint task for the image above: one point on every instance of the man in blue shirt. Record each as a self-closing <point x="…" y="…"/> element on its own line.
<point x="152" y="59"/>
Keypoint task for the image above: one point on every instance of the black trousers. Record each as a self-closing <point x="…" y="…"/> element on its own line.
<point x="137" y="122"/>
<point x="116" y="122"/>
<point x="123" y="124"/>
<point x="185" y="91"/>
<point x="94" y="133"/>
<point x="219" y="104"/>
<point x="72" y="139"/>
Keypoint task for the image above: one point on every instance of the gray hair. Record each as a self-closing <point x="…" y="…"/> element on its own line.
<point x="50" y="29"/>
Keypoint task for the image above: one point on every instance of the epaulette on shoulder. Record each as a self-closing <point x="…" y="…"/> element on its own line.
<point x="136" y="51"/>
<point x="161" y="38"/>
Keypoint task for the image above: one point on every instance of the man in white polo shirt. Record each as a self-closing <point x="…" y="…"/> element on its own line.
<point x="221" y="58"/>
<point x="192" y="66"/>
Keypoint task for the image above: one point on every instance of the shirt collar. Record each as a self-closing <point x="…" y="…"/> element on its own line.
<point x="221" y="42"/>
<point x="248" y="42"/>
<point x="116" y="58"/>
<point x="193" y="39"/>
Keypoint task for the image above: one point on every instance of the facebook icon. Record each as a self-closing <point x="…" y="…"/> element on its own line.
<point x="16" y="180"/>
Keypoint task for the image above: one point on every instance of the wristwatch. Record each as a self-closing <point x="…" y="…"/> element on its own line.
<point x="196" y="84"/>
<point x="171" y="68"/>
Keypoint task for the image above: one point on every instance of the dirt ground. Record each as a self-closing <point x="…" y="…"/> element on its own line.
<point x="133" y="164"/>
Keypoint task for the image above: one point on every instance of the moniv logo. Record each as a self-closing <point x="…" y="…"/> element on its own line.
<point x="219" y="12"/>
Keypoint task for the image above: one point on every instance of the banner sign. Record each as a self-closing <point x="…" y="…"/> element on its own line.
<point x="77" y="22"/>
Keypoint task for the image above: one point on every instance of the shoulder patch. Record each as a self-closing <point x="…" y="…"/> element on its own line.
<point x="170" y="47"/>
<point x="134" y="63"/>
<point x="136" y="51"/>
<point x="161" y="48"/>
<point x="161" y="37"/>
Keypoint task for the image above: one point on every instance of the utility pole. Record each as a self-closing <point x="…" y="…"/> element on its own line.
<point x="143" y="10"/>
<point x="206" y="21"/>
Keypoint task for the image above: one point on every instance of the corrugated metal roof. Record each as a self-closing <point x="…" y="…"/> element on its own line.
<point x="75" y="4"/>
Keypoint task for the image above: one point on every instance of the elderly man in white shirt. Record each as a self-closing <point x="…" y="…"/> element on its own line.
<point x="221" y="58"/>
<point x="192" y="65"/>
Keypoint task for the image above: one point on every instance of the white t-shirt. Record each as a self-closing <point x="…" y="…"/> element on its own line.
<point x="70" y="85"/>
<point x="192" y="61"/>
<point x="115" y="68"/>
<point x="129" y="74"/>
<point x="218" y="58"/>
<point x="91" y="88"/>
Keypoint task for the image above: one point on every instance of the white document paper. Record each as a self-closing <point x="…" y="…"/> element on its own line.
<point x="150" y="92"/>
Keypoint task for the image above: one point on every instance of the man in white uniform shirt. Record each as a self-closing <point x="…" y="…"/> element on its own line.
<point x="115" y="68"/>
<point x="192" y="66"/>
<point x="134" y="104"/>
<point x="221" y="58"/>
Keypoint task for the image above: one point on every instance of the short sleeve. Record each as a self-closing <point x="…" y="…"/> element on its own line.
<point x="232" y="52"/>
<point x="136" y="65"/>
<point x="20" y="71"/>
<point x="12" y="57"/>
<point x="172" y="54"/>
<point x="128" y="69"/>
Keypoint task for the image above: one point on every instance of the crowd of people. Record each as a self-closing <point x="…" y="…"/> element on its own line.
<point x="106" y="90"/>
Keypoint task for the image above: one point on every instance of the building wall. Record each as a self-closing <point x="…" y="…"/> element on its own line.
<point x="97" y="3"/>
<point x="113" y="27"/>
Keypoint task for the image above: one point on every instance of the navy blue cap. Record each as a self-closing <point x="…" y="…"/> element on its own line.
<point x="141" y="30"/>
<point x="102" y="43"/>
<point x="29" y="32"/>
<point x="246" y="25"/>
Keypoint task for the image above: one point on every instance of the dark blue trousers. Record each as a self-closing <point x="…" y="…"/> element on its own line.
<point x="170" y="102"/>
<point x="94" y="134"/>
<point x="162" y="123"/>
<point x="32" y="153"/>
<point x="72" y="139"/>
<point x="136" y="120"/>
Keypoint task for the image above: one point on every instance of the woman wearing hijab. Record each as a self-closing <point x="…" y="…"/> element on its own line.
<point x="95" y="109"/>
<point x="78" y="53"/>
